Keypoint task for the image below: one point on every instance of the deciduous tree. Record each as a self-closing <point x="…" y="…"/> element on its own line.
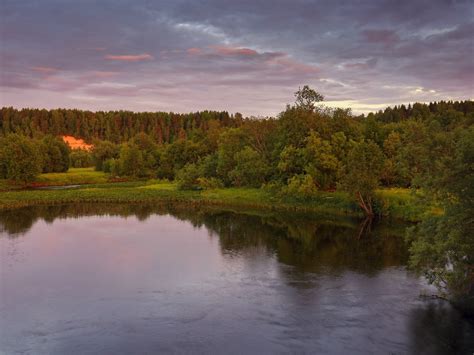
<point x="20" y="158"/>
<point x="362" y="174"/>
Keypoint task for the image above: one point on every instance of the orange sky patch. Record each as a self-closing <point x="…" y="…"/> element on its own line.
<point x="75" y="143"/>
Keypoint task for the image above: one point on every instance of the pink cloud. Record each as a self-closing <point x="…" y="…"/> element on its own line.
<point x="234" y="51"/>
<point x="294" y="66"/>
<point x="103" y="74"/>
<point x="194" y="51"/>
<point x="261" y="60"/>
<point x="45" y="70"/>
<point x="130" y="58"/>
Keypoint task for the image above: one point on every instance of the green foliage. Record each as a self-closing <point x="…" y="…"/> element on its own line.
<point x="144" y="142"/>
<point x="188" y="176"/>
<point x="55" y="154"/>
<point x="292" y="162"/>
<point x="208" y="165"/>
<point x="301" y="186"/>
<point x="102" y="151"/>
<point x="391" y="172"/>
<point x="250" y="169"/>
<point x="149" y="154"/>
<point x="362" y="173"/>
<point x="306" y="98"/>
<point x="404" y="203"/>
<point x="230" y="142"/>
<point x="113" y="167"/>
<point x="209" y="183"/>
<point x="114" y="126"/>
<point x="294" y="125"/>
<point x="443" y="246"/>
<point x="175" y="156"/>
<point x="80" y="158"/>
<point x="132" y="161"/>
<point x="322" y="163"/>
<point x="20" y="158"/>
<point x="305" y="140"/>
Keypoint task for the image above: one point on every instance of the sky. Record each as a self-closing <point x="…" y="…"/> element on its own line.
<point x="245" y="56"/>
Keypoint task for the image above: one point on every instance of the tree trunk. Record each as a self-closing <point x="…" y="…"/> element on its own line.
<point x="365" y="227"/>
<point x="365" y="205"/>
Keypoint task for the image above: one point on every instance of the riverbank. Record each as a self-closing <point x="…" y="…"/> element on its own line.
<point x="98" y="187"/>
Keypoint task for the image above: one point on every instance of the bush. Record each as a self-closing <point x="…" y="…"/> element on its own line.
<point x="107" y="166"/>
<point x="250" y="169"/>
<point x="274" y="187"/>
<point x="80" y="158"/>
<point x="363" y="172"/>
<point x="301" y="186"/>
<point x="187" y="177"/>
<point x="20" y="158"/>
<point x="209" y="183"/>
<point x="55" y="155"/>
<point x="102" y="151"/>
<point x="208" y="165"/>
<point x="131" y="161"/>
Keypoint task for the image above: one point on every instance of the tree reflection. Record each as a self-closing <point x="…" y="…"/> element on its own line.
<point x="300" y="240"/>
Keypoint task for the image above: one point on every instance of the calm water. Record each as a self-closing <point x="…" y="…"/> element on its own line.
<point x="88" y="279"/>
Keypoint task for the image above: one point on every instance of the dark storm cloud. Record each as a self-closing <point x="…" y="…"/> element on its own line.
<point x="246" y="56"/>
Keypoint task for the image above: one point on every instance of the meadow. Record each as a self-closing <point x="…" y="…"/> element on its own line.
<point x="88" y="185"/>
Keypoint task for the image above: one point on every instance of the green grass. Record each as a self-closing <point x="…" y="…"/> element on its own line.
<point x="404" y="203"/>
<point x="96" y="187"/>
<point x="72" y="177"/>
<point x="155" y="185"/>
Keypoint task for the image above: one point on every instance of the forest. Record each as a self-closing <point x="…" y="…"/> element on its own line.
<point x="306" y="149"/>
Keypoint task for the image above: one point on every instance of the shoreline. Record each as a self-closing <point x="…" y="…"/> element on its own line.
<point x="394" y="205"/>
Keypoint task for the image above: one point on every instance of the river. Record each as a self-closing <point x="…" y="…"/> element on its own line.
<point x="129" y="279"/>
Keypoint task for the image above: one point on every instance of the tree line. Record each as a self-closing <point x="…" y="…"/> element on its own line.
<point x="114" y="126"/>
<point x="307" y="148"/>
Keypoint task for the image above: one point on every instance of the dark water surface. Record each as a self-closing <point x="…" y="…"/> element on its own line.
<point x="99" y="279"/>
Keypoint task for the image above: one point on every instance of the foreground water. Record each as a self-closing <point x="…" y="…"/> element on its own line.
<point x="87" y="279"/>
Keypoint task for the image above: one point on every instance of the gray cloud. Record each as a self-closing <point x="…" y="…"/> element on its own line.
<point x="242" y="56"/>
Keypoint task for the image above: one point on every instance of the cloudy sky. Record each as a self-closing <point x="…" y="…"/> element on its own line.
<point x="247" y="55"/>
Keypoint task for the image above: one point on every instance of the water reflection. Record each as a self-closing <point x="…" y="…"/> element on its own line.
<point x="119" y="279"/>
<point x="300" y="240"/>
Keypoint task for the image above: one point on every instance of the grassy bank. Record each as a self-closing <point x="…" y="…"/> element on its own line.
<point x="72" y="177"/>
<point x="97" y="187"/>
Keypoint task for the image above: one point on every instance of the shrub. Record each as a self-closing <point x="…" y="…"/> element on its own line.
<point x="301" y="186"/>
<point x="80" y="158"/>
<point x="20" y="158"/>
<point x="55" y="155"/>
<point x="102" y="151"/>
<point x="187" y="177"/>
<point x="250" y="169"/>
<point x="210" y="183"/>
